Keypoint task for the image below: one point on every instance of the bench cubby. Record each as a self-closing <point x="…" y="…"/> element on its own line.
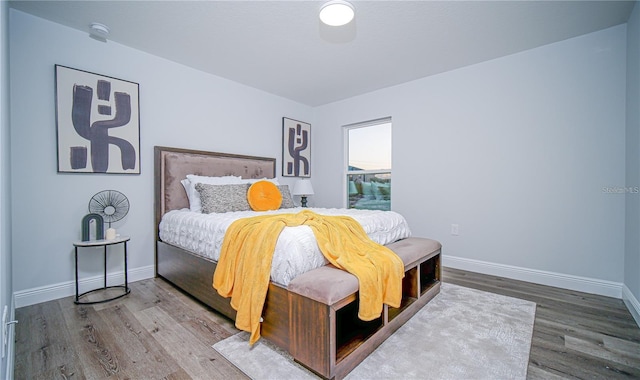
<point x="333" y="293"/>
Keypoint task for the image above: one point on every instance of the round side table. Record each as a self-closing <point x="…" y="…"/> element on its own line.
<point x="103" y="243"/>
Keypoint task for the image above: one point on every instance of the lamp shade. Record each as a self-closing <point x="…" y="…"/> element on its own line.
<point x="302" y="187"/>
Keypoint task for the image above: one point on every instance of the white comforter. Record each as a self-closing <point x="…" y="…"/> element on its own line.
<point x="296" y="250"/>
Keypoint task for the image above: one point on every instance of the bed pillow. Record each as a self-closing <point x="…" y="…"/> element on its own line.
<point x="251" y="181"/>
<point x="224" y="180"/>
<point x="287" y="200"/>
<point x="187" y="188"/>
<point x="192" y="194"/>
<point x="223" y="198"/>
<point x="264" y="196"/>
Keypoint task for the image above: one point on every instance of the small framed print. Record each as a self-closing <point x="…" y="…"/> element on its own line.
<point x="296" y="148"/>
<point x="98" y="123"/>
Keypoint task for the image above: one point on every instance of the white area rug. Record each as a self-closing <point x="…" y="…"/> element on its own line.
<point x="461" y="334"/>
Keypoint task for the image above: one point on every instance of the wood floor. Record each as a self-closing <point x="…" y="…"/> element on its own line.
<point x="575" y="335"/>
<point x="157" y="332"/>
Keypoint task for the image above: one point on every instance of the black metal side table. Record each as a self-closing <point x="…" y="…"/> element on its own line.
<point x="103" y="243"/>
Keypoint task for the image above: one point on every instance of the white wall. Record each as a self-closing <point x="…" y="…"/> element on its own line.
<point x="5" y="203"/>
<point x="632" y="241"/>
<point x="179" y="107"/>
<point x="515" y="150"/>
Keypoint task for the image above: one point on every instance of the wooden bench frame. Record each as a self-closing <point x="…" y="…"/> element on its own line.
<point x="315" y="337"/>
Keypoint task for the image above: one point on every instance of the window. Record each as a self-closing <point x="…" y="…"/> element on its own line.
<point x="368" y="165"/>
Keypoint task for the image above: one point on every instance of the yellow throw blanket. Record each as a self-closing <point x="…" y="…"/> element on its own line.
<point x="244" y="267"/>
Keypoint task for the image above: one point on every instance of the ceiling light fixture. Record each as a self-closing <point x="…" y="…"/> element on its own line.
<point x="337" y="12"/>
<point x="99" y="31"/>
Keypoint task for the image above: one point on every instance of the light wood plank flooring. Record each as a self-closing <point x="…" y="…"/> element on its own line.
<point x="575" y="335"/>
<point x="157" y="332"/>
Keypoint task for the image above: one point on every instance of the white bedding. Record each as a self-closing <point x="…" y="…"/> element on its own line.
<point x="296" y="250"/>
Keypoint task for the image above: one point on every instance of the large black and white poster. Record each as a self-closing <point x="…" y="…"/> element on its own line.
<point x="98" y="123"/>
<point x="296" y="148"/>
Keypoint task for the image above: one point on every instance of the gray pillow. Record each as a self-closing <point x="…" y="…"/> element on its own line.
<point x="287" y="201"/>
<point x="223" y="198"/>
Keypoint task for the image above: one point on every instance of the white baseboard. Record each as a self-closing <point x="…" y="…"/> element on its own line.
<point x="65" y="289"/>
<point x="559" y="280"/>
<point x="11" y="343"/>
<point x="582" y="284"/>
<point x="632" y="304"/>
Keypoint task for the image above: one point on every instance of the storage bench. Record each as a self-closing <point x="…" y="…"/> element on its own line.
<point x="324" y="310"/>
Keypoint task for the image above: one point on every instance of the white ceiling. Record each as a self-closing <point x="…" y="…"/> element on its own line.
<point x="282" y="48"/>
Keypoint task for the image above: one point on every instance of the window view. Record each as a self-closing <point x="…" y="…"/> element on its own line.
<point x="369" y="165"/>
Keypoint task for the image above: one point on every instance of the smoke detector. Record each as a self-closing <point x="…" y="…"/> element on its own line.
<point x="99" y="31"/>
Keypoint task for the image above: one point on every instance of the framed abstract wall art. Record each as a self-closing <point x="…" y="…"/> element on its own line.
<point x="98" y="123"/>
<point x="296" y="148"/>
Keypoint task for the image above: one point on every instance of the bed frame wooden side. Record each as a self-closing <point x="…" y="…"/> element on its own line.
<point x="193" y="273"/>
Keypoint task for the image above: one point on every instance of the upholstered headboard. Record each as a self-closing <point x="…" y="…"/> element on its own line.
<point x="173" y="164"/>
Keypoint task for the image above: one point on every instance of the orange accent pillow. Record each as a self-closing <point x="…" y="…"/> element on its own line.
<point x="263" y="196"/>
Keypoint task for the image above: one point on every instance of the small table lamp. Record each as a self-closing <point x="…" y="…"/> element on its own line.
<point x="303" y="188"/>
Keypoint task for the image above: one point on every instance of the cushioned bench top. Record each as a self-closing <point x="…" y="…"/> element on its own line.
<point x="329" y="284"/>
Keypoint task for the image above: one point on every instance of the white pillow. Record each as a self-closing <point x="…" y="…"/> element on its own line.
<point x="254" y="180"/>
<point x="190" y="182"/>
<point x="224" y="180"/>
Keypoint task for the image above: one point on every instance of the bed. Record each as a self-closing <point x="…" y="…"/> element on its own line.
<point x="192" y="272"/>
